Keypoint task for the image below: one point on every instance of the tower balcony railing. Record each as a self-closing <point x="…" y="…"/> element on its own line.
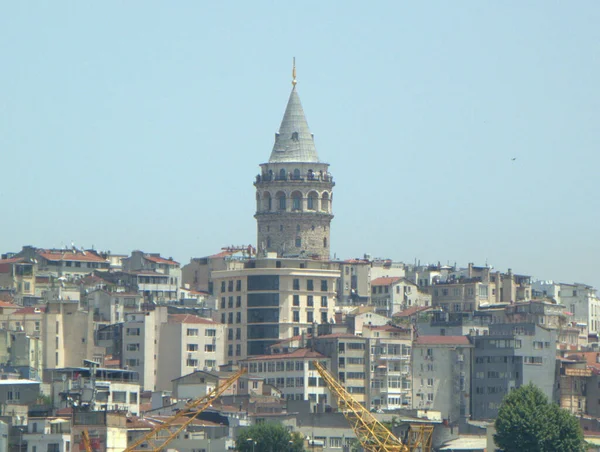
<point x="314" y="177"/>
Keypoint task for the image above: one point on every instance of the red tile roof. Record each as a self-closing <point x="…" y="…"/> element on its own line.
<point x="338" y="335"/>
<point x="7" y="304"/>
<point x="442" y="340"/>
<point x="300" y="353"/>
<point x="12" y="260"/>
<point x="223" y="254"/>
<point x="412" y="311"/>
<point x="160" y="260"/>
<point x="189" y="318"/>
<point x="30" y="310"/>
<point x="385" y="281"/>
<point x="5" y="295"/>
<point x="67" y="255"/>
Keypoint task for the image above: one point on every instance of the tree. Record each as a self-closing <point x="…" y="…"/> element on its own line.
<point x="269" y="438"/>
<point x="527" y="422"/>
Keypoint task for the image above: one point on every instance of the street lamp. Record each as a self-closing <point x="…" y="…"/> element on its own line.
<point x="250" y="440"/>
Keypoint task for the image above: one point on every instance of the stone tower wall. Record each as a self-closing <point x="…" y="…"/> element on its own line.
<point x="294" y="210"/>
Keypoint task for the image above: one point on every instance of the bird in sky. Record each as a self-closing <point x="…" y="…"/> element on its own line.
<point x="513" y="159"/>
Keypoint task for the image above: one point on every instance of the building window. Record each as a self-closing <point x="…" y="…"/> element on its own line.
<point x="132" y="362"/>
<point x="238" y="302"/>
<point x="296" y="284"/>
<point x="323" y="302"/>
<point x="133" y="347"/>
<point x="192" y="363"/>
<point x="238" y="285"/>
<point x="222" y="286"/>
<point x="222" y="302"/>
<point x="310" y="317"/>
<point x="296" y="300"/>
<point x="223" y="318"/>
<point x="298" y="242"/>
<point x="238" y="349"/>
<point x="230" y="318"/>
<point x="309" y="285"/>
<point x="281" y="198"/>
<point x="309" y="301"/>
<point x="238" y="317"/>
<point x="133" y="398"/>
<point x="230" y="350"/>
<point x="192" y="331"/>
<point x="210" y="348"/>
<point x="323" y="317"/>
<point x="210" y="333"/>
<point x="296" y="316"/>
<point x="238" y="333"/>
<point x="324" y="242"/>
<point x="230" y="334"/>
<point x="323" y="285"/>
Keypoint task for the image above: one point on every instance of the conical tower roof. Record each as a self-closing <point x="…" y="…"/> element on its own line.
<point x="294" y="142"/>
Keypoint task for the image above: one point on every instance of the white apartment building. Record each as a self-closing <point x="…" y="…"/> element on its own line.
<point x="140" y="342"/>
<point x="293" y="374"/>
<point x="579" y="299"/>
<point x="188" y="343"/>
<point x="391" y="373"/>
<point x="390" y="295"/>
<point x="48" y="434"/>
<point x="158" y="278"/>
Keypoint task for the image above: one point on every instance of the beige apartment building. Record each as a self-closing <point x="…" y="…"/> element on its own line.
<point x="188" y="343"/>
<point x="271" y="299"/>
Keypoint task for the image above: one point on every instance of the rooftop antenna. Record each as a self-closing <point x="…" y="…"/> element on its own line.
<point x="294" y="81"/>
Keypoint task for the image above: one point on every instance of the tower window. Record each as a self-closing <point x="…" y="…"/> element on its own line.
<point x="280" y="228"/>
<point x="268" y="242"/>
<point x="298" y="242"/>
<point x="296" y="174"/>
<point x="298" y="227"/>
<point x="325" y="242"/>
<point x="282" y="174"/>
<point x="296" y="201"/>
<point x="281" y="198"/>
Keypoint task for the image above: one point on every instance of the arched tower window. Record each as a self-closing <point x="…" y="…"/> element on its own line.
<point x="296" y="200"/>
<point x="311" y="203"/>
<point x="282" y="174"/>
<point x="281" y="200"/>
<point x="296" y="174"/>
<point x="325" y="202"/>
<point x="268" y="242"/>
<point x="257" y="202"/>
<point x="324" y="242"/>
<point x="267" y="202"/>
<point x="298" y="242"/>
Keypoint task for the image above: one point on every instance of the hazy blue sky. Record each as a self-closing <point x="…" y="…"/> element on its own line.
<point x="141" y="124"/>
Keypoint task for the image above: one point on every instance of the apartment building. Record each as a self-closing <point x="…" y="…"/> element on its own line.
<point x="18" y="274"/>
<point x="187" y="343"/>
<point x="48" y="434"/>
<point x="140" y="344"/>
<point x="441" y="373"/>
<point x="390" y="365"/>
<point x="354" y="287"/>
<point x="70" y="263"/>
<point x="110" y="307"/>
<point x="390" y="295"/>
<point x="579" y="299"/>
<point x="293" y="374"/>
<point x="273" y="299"/>
<point x="197" y="274"/>
<point x="467" y="290"/>
<point x="350" y="359"/>
<point x="511" y="355"/>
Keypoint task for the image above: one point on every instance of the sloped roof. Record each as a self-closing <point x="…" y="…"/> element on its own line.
<point x="300" y="353"/>
<point x="385" y="281"/>
<point x="68" y="255"/>
<point x="160" y="260"/>
<point x="31" y="310"/>
<point x="412" y="311"/>
<point x="442" y="340"/>
<point x="294" y="141"/>
<point x="189" y="318"/>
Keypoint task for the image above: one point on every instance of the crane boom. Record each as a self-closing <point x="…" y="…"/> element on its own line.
<point x="85" y="439"/>
<point x="372" y="434"/>
<point x="190" y="412"/>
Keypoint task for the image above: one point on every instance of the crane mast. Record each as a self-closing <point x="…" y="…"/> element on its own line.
<point x="191" y="411"/>
<point x="372" y="434"/>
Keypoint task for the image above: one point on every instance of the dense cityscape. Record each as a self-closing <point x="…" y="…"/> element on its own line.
<point x="98" y="349"/>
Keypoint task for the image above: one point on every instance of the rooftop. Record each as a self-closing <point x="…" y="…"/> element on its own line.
<point x="412" y="311"/>
<point x="160" y="260"/>
<point x="300" y="353"/>
<point x="385" y="281"/>
<point x="71" y="255"/>
<point x="442" y="340"/>
<point x="190" y="318"/>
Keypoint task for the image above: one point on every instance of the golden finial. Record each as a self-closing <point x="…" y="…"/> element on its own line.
<point x="294" y="81"/>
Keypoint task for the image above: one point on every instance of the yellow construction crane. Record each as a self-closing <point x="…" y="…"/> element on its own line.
<point x="372" y="434"/>
<point x="85" y="439"/>
<point x="156" y="442"/>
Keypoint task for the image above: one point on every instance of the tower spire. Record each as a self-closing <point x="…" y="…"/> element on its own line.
<point x="294" y="81"/>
